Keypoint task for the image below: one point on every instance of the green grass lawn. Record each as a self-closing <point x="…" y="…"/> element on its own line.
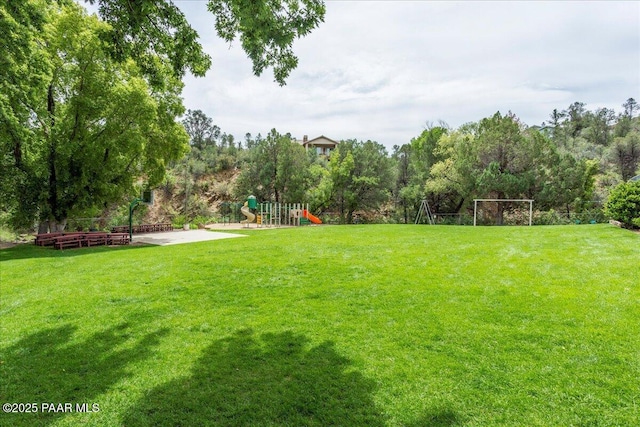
<point x="330" y="326"/>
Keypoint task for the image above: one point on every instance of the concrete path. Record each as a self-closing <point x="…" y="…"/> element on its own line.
<point x="178" y="237"/>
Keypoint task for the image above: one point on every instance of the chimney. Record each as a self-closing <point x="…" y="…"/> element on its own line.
<point x="305" y="139"/>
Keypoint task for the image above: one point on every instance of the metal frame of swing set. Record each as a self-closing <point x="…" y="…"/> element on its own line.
<point x="425" y="209"/>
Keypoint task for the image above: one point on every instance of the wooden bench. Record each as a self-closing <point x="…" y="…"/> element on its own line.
<point x="118" y="239"/>
<point x="95" y="239"/>
<point x="80" y="239"/>
<point x="46" y="239"/>
<point x="68" y="241"/>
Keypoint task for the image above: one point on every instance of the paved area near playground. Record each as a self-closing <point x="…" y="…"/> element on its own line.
<point x="239" y="226"/>
<point x="179" y="237"/>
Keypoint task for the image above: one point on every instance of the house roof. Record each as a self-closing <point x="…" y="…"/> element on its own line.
<point x="322" y="140"/>
<point x="319" y="141"/>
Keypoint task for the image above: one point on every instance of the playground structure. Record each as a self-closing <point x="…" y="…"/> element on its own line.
<point x="274" y="214"/>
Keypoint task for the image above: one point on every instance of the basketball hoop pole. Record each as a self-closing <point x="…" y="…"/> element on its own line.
<point x="147" y="198"/>
<point x="132" y="206"/>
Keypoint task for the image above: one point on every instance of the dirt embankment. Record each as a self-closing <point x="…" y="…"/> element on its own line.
<point x="204" y="195"/>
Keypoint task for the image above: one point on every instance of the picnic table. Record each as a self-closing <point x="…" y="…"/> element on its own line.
<point x="76" y="239"/>
<point x="95" y="238"/>
<point x="47" y="239"/>
<point x="62" y="240"/>
<point x="119" y="238"/>
<point x="68" y="241"/>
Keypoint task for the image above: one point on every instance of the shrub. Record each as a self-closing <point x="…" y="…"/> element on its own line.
<point x="551" y="217"/>
<point x="178" y="221"/>
<point x="203" y="219"/>
<point x="624" y="204"/>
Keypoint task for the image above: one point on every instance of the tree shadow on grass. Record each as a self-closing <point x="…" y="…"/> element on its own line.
<point x="271" y="380"/>
<point x="51" y="367"/>
<point x="438" y="418"/>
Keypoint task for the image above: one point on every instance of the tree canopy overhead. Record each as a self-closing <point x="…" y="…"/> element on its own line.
<point x="154" y="32"/>
<point x="267" y="29"/>
<point x="147" y="29"/>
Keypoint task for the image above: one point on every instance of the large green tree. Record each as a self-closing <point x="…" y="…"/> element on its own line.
<point x="565" y="183"/>
<point x="277" y="170"/>
<point x="413" y="166"/>
<point x="625" y="120"/>
<point x="452" y="180"/>
<point x="200" y="128"/>
<point x="625" y="153"/>
<point x="361" y="175"/>
<point x="24" y="74"/>
<point x="91" y="126"/>
<point x="600" y="125"/>
<point x="404" y="192"/>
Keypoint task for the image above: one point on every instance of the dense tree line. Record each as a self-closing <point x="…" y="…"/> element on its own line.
<point x="568" y="165"/>
<point x="358" y="176"/>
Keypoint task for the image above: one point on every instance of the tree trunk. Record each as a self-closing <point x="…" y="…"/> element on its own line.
<point x="52" y="226"/>
<point x="57" y="226"/>
<point x="187" y="190"/>
<point x="52" y="194"/>
<point x="500" y="214"/>
<point x="500" y="210"/>
<point x="406" y="213"/>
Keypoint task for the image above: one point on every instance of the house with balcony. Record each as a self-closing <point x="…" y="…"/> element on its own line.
<point x="322" y="145"/>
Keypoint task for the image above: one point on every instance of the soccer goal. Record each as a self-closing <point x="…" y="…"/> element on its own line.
<point x="499" y="202"/>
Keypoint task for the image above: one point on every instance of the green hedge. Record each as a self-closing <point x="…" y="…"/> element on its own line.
<point x="624" y="204"/>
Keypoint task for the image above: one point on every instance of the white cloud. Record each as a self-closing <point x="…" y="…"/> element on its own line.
<point x="381" y="70"/>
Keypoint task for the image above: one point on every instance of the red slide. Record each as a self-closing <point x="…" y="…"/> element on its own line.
<point x="314" y="219"/>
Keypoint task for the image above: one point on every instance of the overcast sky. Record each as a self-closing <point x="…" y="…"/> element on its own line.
<point x="382" y="70"/>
